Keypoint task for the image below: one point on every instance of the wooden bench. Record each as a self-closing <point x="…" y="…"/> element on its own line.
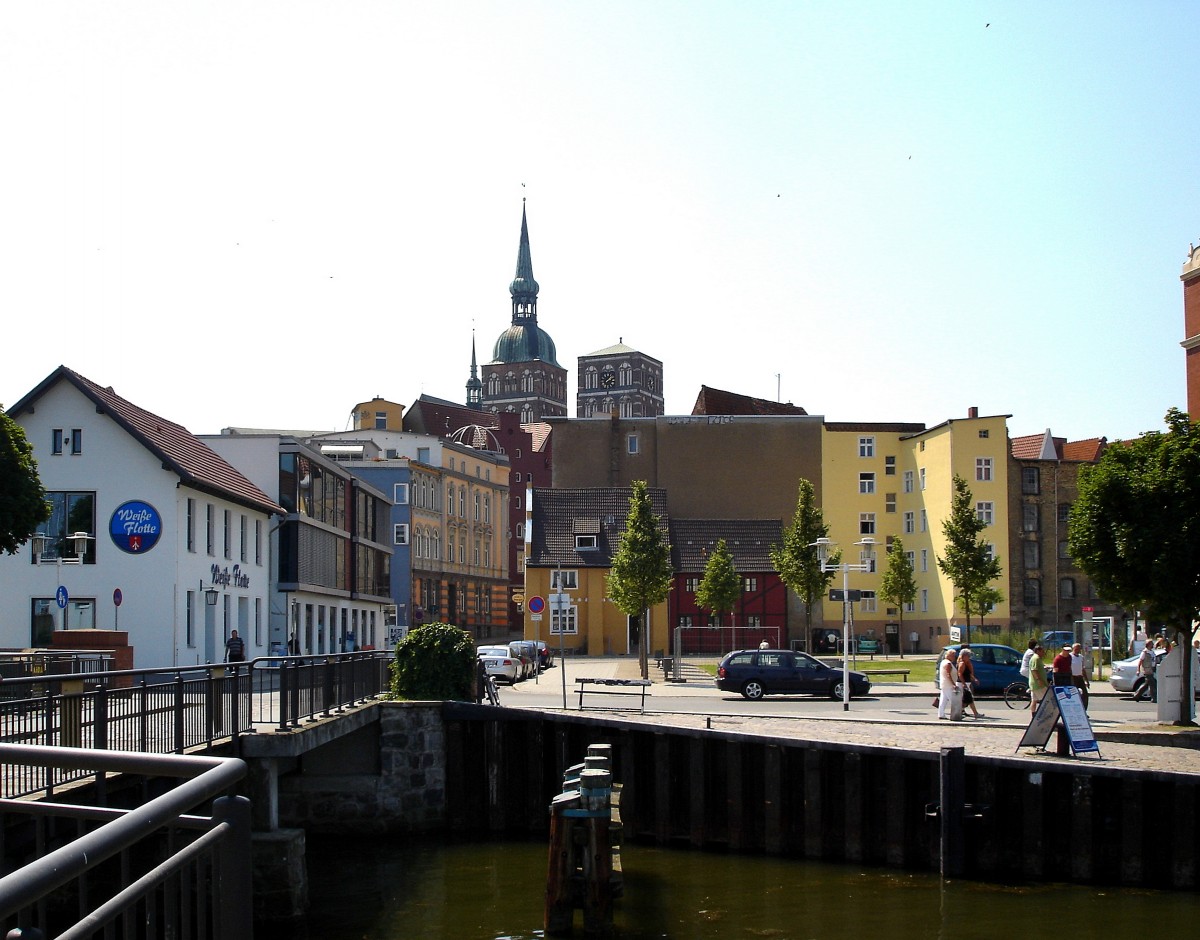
<point x="614" y="687"/>
<point x="903" y="673"/>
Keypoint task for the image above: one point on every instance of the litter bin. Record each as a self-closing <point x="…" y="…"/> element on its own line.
<point x="668" y="664"/>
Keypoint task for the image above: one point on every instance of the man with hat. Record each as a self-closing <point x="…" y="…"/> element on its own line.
<point x="1061" y="667"/>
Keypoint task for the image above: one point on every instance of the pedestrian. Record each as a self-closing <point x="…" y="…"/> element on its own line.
<point x="294" y="644"/>
<point x="950" y="700"/>
<point x="1061" y="667"/>
<point x="1037" y="677"/>
<point x="1147" y="666"/>
<point x="1025" y="659"/>
<point x="481" y="677"/>
<point x="966" y="676"/>
<point x="1078" y="675"/>
<point x="764" y="645"/>
<point x="235" y="648"/>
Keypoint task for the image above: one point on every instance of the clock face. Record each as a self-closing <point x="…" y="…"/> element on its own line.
<point x="650" y="383"/>
<point x="608" y="379"/>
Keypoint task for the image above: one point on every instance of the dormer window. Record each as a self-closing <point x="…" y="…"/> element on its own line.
<point x="586" y="543"/>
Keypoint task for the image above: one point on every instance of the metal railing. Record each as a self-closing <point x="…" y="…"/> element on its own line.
<point x="155" y="871"/>
<point x="175" y="711"/>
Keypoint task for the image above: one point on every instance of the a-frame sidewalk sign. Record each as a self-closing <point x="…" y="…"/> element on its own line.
<point x="1061" y="701"/>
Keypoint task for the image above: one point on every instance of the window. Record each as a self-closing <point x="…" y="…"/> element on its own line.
<point x="983" y="432"/>
<point x="400" y="494"/>
<point x="423" y="455"/>
<point x="924" y="521"/>
<point x="450" y="500"/>
<point x="910" y="523"/>
<point x="984" y="512"/>
<point x="478" y="506"/>
<point x="1033" y="554"/>
<point x="1031" y="481"/>
<point x="1066" y="589"/>
<point x="922" y="475"/>
<point x="866" y="447"/>
<point x="868" y="603"/>
<point x="924" y="600"/>
<point x="889" y="502"/>
<point x="1064" y="512"/>
<point x="400" y="533"/>
<point x="1033" y="592"/>
<point x="191" y="525"/>
<point x="1029" y="517"/>
<point x="924" y="559"/>
<point x="889" y="466"/>
<point x="866" y="484"/>
<point x="691" y="585"/>
<point x="564" y="581"/>
<point x="908" y="481"/>
<point x="243" y="534"/>
<point x="227" y="533"/>
<point x="631" y="443"/>
<point x="1064" y="550"/>
<point x="56" y="441"/>
<point x="585" y="543"/>
<point x="866" y="523"/>
<point x="258" y="542"/>
<point x="983" y="469"/>
<point x="563" y="619"/>
<point x="749" y="585"/>
<point x="210" y="526"/>
<point x="911" y="558"/>
<point x="189" y="625"/>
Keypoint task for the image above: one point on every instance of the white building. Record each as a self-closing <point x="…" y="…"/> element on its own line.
<point x="168" y="519"/>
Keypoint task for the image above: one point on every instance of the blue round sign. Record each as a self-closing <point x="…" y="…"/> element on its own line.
<point x="536" y="604"/>
<point x="135" y="527"/>
<point x="61" y="597"/>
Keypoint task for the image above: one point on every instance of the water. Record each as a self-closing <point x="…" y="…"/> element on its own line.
<point x="401" y="888"/>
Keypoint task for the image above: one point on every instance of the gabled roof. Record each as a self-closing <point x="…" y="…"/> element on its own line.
<point x="600" y="510"/>
<point x="1045" y="446"/>
<point x="180" y="451"/>
<point x="714" y="401"/>
<point x="749" y="542"/>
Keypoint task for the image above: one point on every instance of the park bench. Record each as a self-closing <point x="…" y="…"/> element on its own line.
<point x="635" y="687"/>
<point x="902" y="673"/>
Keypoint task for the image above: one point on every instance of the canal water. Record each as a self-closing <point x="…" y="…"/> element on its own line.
<point x="366" y="889"/>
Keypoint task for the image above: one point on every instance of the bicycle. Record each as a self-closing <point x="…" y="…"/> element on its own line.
<point x="1016" y="694"/>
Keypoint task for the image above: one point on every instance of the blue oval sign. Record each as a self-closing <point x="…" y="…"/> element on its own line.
<point x="135" y="527"/>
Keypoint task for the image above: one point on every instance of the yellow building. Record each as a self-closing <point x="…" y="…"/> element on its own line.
<point x="575" y="534"/>
<point x="880" y="481"/>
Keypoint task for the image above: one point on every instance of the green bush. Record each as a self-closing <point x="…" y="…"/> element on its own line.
<point x="435" y="661"/>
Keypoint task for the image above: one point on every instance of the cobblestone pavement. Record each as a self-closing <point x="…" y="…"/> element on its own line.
<point x="1133" y="745"/>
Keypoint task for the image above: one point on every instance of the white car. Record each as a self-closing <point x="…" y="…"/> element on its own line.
<point x="1124" y="677"/>
<point x="500" y="663"/>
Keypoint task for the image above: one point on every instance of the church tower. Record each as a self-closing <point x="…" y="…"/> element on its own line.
<point x="524" y="376"/>
<point x="474" y="386"/>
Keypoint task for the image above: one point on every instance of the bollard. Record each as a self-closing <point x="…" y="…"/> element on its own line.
<point x="952" y="790"/>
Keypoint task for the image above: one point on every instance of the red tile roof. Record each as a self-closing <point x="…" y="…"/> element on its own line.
<point x="180" y="451"/>
<point x="714" y="401"/>
<point x="1089" y="450"/>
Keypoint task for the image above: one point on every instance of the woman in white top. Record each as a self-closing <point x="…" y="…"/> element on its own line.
<point x="950" y="699"/>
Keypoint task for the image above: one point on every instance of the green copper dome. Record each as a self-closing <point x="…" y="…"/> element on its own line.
<point x="525" y="342"/>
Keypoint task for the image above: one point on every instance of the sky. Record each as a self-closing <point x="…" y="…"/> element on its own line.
<point x="262" y="213"/>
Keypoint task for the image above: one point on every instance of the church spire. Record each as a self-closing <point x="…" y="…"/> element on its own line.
<point x="474" y="386"/>
<point x="524" y="288"/>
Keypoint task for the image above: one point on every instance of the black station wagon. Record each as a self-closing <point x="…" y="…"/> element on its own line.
<point x="755" y="673"/>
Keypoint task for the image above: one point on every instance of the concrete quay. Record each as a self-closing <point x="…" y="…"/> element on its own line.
<point x="911" y="726"/>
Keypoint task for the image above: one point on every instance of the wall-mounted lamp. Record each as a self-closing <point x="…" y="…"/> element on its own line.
<point x="210" y="595"/>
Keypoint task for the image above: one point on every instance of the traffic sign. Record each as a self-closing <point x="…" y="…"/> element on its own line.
<point x="61" y="597"/>
<point x="536" y="604"/>
<point x="117" y="597"/>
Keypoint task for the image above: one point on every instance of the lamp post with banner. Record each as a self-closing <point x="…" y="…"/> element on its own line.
<point x="826" y="549"/>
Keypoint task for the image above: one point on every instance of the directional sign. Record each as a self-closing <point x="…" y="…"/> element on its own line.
<point x="536" y="604"/>
<point x="61" y="597"/>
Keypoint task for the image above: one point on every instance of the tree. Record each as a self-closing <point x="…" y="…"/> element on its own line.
<point x="1135" y="529"/>
<point x="797" y="560"/>
<point x="720" y="588"/>
<point x="23" y="505"/>
<point x="433" y="662"/>
<point x="968" y="562"/>
<point x="641" y="572"/>
<point x="898" y="586"/>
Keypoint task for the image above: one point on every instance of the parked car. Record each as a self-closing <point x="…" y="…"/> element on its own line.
<point x="1124" y="676"/>
<point x="1057" y="639"/>
<point x="528" y="651"/>
<point x="545" y="654"/>
<point x="500" y="663"/>
<point x="755" y="673"/>
<point x="995" y="666"/>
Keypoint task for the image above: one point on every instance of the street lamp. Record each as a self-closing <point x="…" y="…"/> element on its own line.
<point x="78" y="541"/>
<point x="825" y="551"/>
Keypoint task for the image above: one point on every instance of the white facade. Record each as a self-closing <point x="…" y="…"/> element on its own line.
<point x="190" y="539"/>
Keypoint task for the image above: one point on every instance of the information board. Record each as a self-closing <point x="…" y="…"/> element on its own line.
<point x="1061" y="701"/>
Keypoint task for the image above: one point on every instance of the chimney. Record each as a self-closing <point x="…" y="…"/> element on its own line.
<point x="973" y="412"/>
